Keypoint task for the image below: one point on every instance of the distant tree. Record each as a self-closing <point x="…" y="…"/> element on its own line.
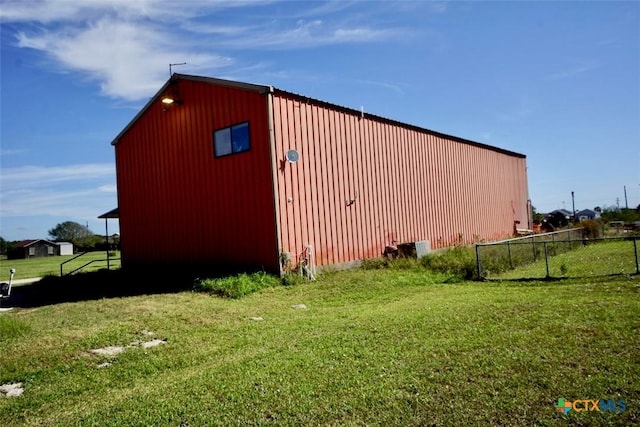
<point x="70" y="231"/>
<point x="93" y="242"/>
<point x="609" y="213"/>
<point x="537" y="217"/>
<point x="3" y="246"/>
<point x="114" y="242"/>
<point x="612" y="213"/>
<point x="629" y="215"/>
<point x="597" y="209"/>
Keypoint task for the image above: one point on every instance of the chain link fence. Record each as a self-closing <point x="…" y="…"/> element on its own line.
<point x="565" y="253"/>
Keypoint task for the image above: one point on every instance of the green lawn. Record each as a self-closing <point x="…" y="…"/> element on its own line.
<point x="595" y="259"/>
<point x="50" y="266"/>
<point x="381" y="347"/>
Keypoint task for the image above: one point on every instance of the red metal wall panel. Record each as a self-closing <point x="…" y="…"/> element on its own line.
<point x="178" y="203"/>
<point x="362" y="183"/>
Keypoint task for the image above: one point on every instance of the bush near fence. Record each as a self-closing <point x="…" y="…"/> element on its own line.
<point x="458" y="261"/>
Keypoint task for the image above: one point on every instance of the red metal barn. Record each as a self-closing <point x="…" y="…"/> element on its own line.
<point x="210" y="179"/>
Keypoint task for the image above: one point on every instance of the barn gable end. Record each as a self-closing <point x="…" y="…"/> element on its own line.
<point x="179" y="202"/>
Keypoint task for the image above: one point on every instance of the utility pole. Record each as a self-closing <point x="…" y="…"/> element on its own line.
<point x="618" y="203"/>
<point x="573" y="204"/>
<point x="626" y="202"/>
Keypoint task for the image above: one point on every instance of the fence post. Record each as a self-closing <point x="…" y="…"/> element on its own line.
<point x="510" y="260"/>
<point x="635" y="252"/>
<point x="546" y="258"/>
<point x="533" y="245"/>
<point x="478" y="262"/>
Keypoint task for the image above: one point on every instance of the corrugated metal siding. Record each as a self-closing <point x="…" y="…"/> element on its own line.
<point x="178" y="203"/>
<point x="407" y="185"/>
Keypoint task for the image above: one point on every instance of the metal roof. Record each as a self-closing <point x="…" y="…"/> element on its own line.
<point x="113" y="213"/>
<point x="270" y="89"/>
<point x="27" y="243"/>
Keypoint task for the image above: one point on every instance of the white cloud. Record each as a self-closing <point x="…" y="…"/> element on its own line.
<point x="357" y="34"/>
<point x="306" y="34"/>
<point x="11" y="152"/>
<point x="396" y="88"/>
<point x="48" y="11"/>
<point x="84" y="190"/>
<point x="43" y="176"/>
<point x="519" y="111"/>
<point x="574" y="70"/>
<point x="125" y="46"/>
<point x="109" y="188"/>
<point x="129" y="60"/>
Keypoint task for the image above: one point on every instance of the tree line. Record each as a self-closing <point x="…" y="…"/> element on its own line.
<point x="613" y="213"/>
<point x="82" y="238"/>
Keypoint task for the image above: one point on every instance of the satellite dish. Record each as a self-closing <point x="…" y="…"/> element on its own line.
<point x="292" y="156"/>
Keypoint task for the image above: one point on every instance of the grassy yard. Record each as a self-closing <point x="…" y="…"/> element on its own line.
<point x="595" y="259"/>
<point x="382" y="347"/>
<point x="50" y="266"/>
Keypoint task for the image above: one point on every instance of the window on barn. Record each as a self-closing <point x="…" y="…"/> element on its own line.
<point x="50" y="250"/>
<point x="234" y="139"/>
<point x="32" y="251"/>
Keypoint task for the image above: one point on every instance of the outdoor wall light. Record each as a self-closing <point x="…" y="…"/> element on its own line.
<point x="169" y="100"/>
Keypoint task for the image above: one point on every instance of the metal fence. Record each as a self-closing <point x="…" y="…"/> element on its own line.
<point x="565" y="253"/>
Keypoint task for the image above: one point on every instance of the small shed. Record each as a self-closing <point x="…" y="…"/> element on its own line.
<point x="32" y="248"/>
<point x="65" y="248"/>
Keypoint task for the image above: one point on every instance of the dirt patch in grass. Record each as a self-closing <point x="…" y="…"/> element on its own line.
<point x="108" y="351"/>
<point x="11" y="390"/>
<point x="152" y="343"/>
<point x="112" y="351"/>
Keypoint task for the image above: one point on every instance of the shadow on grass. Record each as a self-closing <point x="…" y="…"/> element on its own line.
<point x="603" y="278"/>
<point x="101" y="284"/>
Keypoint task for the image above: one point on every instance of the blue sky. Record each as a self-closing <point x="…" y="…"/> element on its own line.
<point x="556" y="81"/>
